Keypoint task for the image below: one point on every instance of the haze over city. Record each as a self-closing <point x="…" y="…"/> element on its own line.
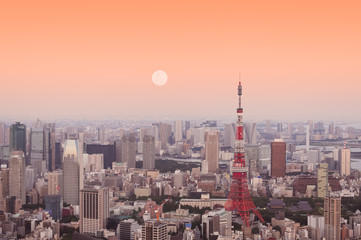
<point x="298" y="60"/>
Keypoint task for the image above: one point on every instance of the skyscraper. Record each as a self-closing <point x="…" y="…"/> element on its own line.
<point x="4" y="183"/>
<point x="332" y="214"/>
<point x="17" y="175"/>
<point x="71" y="172"/>
<point x="165" y="131"/>
<point x="37" y="153"/>
<point x="322" y="180"/>
<point x="250" y="133"/>
<point x="18" y="137"/>
<point x="229" y="134"/>
<point x="94" y="210"/>
<point x="268" y="126"/>
<point x="278" y="158"/>
<point x="212" y="150"/>
<point x="55" y="204"/>
<point x="2" y="133"/>
<point x="55" y="182"/>
<point x="128" y="150"/>
<point x="148" y="152"/>
<point x="178" y="131"/>
<point x="345" y="162"/>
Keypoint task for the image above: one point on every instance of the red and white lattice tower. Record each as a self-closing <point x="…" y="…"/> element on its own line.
<point x="239" y="200"/>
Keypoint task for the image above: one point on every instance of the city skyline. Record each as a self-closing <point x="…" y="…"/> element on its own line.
<point x="297" y="61"/>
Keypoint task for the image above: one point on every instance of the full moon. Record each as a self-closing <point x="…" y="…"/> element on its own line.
<point x="159" y="78"/>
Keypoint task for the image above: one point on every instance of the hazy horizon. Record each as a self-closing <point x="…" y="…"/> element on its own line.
<point x="298" y="60"/>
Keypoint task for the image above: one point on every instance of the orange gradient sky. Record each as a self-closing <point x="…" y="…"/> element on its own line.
<point x="299" y="60"/>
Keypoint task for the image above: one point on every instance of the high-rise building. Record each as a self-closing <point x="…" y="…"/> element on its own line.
<point x="108" y="151"/>
<point x="345" y="162"/>
<point x="17" y="175"/>
<point x="2" y="133"/>
<point x="229" y="134"/>
<point x="268" y="126"/>
<point x="279" y="127"/>
<point x="217" y="222"/>
<point x="250" y="133"/>
<point x="178" y="131"/>
<point x="322" y="180"/>
<point x="187" y="125"/>
<point x="148" y="152"/>
<point x="55" y="204"/>
<point x="55" y="183"/>
<point x="278" y="158"/>
<point x="71" y="172"/>
<point x="101" y="135"/>
<point x="289" y="129"/>
<point x="4" y="184"/>
<point x="212" y="150"/>
<point x="165" y="132"/>
<point x="128" y="149"/>
<point x="332" y="214"/>
<point x="154" y="230"/>
<point x="37" y="153"/>
<point x="126" y="229"/>
<point x="58" y="156"/>
<point x="29" y="178"/>
<point x="94" y="210"/>
<point x="18" y="137"/>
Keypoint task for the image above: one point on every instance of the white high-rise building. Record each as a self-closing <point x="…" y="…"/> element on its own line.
<point x="178" y="131"/>
<point x="94" y="210"/>
<point x="345" y="162"/>
<point x="17" y="175"/>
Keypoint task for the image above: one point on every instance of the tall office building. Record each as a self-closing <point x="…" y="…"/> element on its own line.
<point x="55" y="183"/>
<point x="101" y="135"/>
<point x="165" y="132"/>
<point x="289" y="129"/>
<point x="17" y="175"/>
<point x="2" y="133"/>
<point x="268" y="126"/>
<point x="278" y="158"/>
<point x="37" y="153"/>
<point x="18" y="137"/>
<point x="126" y="229"/>
<point x="154" y="230"/>
<point x="229" y="134"/>
<point x="178" y="131"/>
<point x="128" y="149"/>
<point x="4" y="183"/>
<point x="332" y="214"/>
<point x="148" y="152"/>
<point x="55" y="204"/>
<point x="94" y="210"/>
<point x="71" y="172"/>
<point x="345" y="162"/>
<point x="49" y="146"/>
<point x="250" y="133"/>
<point x="187" y="125"/>
<point x="211" y="139"/>
<point x="279" y="127"/>
<point x="108" y="151"/>
<point x="322" y="180"/>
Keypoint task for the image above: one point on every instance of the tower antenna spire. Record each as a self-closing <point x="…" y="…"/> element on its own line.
<point x="239" y="199"/>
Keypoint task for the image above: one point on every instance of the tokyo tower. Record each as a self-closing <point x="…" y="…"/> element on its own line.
<point x="239" y="200"/>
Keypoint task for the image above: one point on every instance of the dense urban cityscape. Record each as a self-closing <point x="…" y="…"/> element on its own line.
<point x="171" y="180"/>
